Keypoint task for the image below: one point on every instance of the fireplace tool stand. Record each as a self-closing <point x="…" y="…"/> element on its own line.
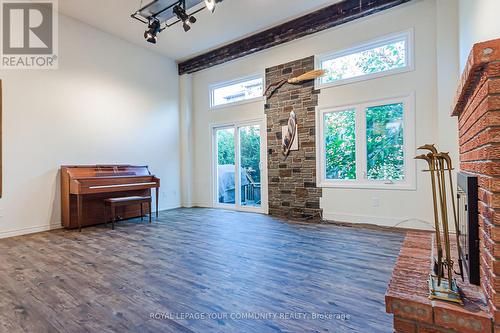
<point x="442" y="284"/>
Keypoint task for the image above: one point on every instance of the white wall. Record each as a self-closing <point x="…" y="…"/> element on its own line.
<point x="403" y="208"/>
<point x="186" y="138"/>
<point x="109" y="102"/>
<point x="479" y="22"/>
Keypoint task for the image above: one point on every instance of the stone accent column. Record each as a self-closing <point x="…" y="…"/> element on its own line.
<point x="292" y="182"/>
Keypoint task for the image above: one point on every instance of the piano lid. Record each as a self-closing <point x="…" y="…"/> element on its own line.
<point x="88" y="171"/>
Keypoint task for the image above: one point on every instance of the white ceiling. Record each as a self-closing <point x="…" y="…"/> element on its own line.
<point x="232" y="20"/>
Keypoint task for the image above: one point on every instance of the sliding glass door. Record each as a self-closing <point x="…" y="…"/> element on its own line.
<point x="250" y="165"/>
<point x="239" y="174"/>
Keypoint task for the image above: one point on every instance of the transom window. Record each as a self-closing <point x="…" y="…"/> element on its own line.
<point x="368" y="145"/>
<point x="382" y="57"/>
<point x="235" y="91"/>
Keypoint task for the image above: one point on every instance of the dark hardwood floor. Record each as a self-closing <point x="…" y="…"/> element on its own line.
<point x="195" y="263"/>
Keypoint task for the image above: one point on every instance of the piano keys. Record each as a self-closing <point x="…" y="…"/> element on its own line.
<point x="85" y="187"/>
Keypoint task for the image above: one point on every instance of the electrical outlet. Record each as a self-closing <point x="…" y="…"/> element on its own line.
<point x="375" y="202"/>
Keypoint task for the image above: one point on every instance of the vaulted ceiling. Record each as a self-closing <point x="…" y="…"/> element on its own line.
<point x="232" y="20"/>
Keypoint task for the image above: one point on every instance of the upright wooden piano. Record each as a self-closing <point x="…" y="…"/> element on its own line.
<point x="84" y="188"/>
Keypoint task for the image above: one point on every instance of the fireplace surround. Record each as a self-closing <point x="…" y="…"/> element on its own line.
<point x="477" y="106"/>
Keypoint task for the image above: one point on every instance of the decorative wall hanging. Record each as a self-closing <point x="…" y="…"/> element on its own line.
<point x="442" y="285"/>
<point x="290" y="135"/>
<point x="312" y="75"/>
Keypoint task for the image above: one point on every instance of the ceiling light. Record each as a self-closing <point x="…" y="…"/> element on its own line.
<point x="154" y="28"/>
<point x="210" y="4"/>
<point x="187" y="24"/>
<point x="187" y="20"/>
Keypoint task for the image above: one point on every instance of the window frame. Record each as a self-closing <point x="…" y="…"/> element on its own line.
<point x="361" y="182"/>
<point x="407" y="36"/>
<point x="223" y="84"/>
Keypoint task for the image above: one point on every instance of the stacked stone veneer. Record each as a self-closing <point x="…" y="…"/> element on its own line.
<point x="477" y="106"/>
<point x="292" y="182"/>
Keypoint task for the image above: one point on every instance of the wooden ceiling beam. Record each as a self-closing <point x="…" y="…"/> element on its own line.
<point x="322" y="19"/>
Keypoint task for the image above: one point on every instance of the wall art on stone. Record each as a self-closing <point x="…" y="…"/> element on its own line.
<point x="290" y="135"/>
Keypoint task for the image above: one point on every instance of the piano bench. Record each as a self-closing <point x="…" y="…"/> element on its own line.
<point x="125" y="201"/>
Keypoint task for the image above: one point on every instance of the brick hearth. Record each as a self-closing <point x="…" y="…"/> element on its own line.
<point x="407" y="296"/>
<point x="292" y="182"/>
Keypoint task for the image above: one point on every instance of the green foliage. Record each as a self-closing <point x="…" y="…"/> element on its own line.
<point x="384" y="141"/>
<point x="340" y="144"/>
<point x="225" y="146"/>
<point x="383" y="58"/>
<point x="380" y="59"/>
<point x="249" y="149"/>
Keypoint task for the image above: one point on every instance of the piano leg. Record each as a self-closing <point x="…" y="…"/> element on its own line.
<point x="113" y="213"/>
<point x="79" y="205"/>
<point x="105" y="215"/>
<point x="157" y="194"/>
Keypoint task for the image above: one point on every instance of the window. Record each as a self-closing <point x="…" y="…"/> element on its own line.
<point x="378" y="58"/>
<point x="340" y="144"/>
<point x="236" y="91"/>
<point x="368" y="145"/>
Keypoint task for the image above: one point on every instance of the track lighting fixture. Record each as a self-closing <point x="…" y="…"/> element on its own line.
<point x="154" y="28"/>
<point x="162" y="14"/>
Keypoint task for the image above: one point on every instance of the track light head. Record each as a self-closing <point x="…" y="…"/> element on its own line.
<point x="211" y="4"/>
<point x="180" y="13"/>
<point x="187" y="20"/>
<point x="151" y="33"/>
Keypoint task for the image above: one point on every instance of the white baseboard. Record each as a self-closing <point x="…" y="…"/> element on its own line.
<point x="391" y="222"/>
<point x="201" y="205"/>
<point x="169" y="208"/>
<point x="54" y="226"/>
<point x="29" y="230"/>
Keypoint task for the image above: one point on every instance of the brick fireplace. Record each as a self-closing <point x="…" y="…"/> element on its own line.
<point x="477" y="106"/>
<point x="292" y="182"/>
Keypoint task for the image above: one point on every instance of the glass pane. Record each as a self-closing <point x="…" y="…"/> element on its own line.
<point x="238" y="92"/>
<point x="250" y="165"/>
<point x="340" y="144"/>
<point x="374" y="60"/>
<point x="384" y="142"/>
<point x="225" y="165"/>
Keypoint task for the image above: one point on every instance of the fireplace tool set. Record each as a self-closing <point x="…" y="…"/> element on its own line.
<point x="442" y="285"/>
